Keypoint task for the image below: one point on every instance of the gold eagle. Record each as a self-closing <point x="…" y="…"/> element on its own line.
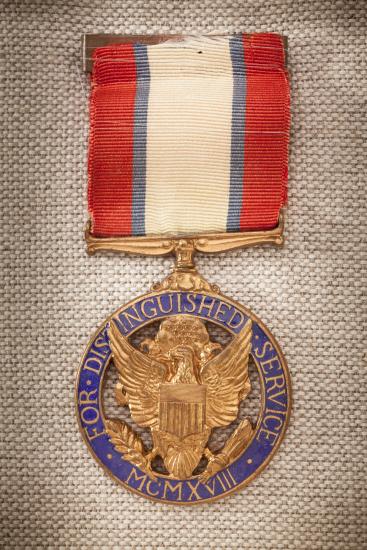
<point x="181" y="386"/>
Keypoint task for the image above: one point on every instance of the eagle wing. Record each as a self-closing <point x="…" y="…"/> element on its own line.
<point x="140" y="376"/>
<point x="227" y="379"/>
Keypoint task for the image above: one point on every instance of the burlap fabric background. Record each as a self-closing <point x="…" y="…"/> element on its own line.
<point x="53" y="495"/>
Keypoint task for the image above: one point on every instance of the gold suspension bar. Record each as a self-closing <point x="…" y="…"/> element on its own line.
<point x="209" y="242"/>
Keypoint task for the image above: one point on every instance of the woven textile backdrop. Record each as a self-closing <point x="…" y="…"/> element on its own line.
<point x="310" y="293"/>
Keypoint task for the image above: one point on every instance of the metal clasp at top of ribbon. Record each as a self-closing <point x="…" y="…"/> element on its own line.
<point x="92" y="41"/>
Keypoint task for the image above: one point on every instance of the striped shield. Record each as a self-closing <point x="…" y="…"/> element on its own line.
<point x="182" y="409"/>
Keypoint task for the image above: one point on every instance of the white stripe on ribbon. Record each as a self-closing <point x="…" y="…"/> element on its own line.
<point x="188" y="149"/>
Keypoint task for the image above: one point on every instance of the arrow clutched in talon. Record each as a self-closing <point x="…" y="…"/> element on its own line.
<point x="215" y="464"/>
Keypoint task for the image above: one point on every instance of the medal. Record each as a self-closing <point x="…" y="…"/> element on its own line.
<point x="188" y="153"/>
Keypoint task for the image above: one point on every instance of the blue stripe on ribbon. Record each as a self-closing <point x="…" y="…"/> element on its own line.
<point x="140" y="138"/>
<point x="238" y="133"/>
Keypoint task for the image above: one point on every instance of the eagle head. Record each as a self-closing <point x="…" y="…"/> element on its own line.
<point x="184" y="365"/>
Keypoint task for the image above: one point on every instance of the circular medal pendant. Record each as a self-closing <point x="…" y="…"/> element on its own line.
<point x="183" y="395"/>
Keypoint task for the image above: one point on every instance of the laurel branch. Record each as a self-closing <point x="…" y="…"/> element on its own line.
<point x="129" y="444"/>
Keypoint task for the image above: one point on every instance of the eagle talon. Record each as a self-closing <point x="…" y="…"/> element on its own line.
<point x="150" y="472"/>
<point x="208" y="454"/>
<point x="216" y="463"/>
<point x="148" y="458"/>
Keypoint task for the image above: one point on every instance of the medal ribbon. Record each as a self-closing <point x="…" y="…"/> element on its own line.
<point x="188" y="137"/>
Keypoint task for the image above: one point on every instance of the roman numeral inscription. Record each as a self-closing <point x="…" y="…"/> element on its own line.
<point x="190" y="490"/>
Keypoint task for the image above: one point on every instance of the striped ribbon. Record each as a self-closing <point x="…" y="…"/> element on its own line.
<point x="189" y="137"/>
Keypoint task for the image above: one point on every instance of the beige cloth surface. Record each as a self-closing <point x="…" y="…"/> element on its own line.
<point x="311" y="293"/>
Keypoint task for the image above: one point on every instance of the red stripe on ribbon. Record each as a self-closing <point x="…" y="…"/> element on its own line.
<point x="266" y="132"/>
<point x="110" y="164"/>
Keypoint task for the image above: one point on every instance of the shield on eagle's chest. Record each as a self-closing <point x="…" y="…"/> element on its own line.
<point x="182" y="409"/>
